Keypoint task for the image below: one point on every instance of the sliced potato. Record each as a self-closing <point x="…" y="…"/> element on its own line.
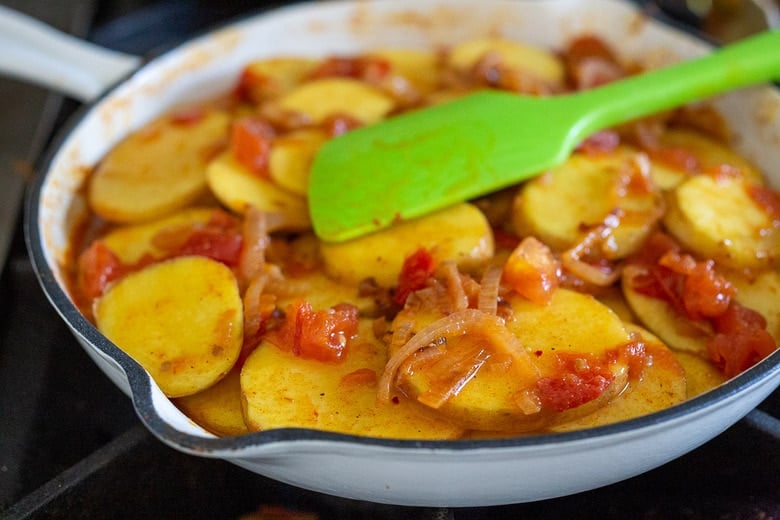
<point x="678" y="332"/>
<point x="460" y="233"/>
<point x="217" y="408"/>
<point x="663" y="384"/>
<point x="573" y="323"/>
<point x="273" y="77"/>
<point x="717" y="218"/>
<point x="282" y="390"/>
<point x="700" y="374"/>
<point x="583" y="192"/>
<point x="131" y="242"/>
<point x="709" y="153"/>
<point x="238" y="188"/>
<point x="321" y="292"/>
<point x="158" y="169"/>
<point x="319" y="99"/>
<point x="536" y="61"/>
<point x="181" y="319"/>
<point x="760" y="292"/>
<point x="420" y="68"/>
<point x="291" y="157"/>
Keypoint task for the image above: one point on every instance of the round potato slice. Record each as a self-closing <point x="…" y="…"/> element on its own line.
<point x="181" y="319"/>
<point x="709" y="153"/>
<point x="419" y="68"/>
<point x="322" y="98"/>
<point x="459" y="232"/>
<point x="131" y="242"/>
<point x="536" y="61"/>
<point x="217" y="408"/>
<point x="158" y="169"/>
<point x="491" y="397"/>
<point x="272" y="77"/>
<point x="283" y="390"/>
<point x="717" y="218"/>
<point x="238" y="188"/>
<point x="582" y="192"/>
<point x="676" y="331"/>
<point x="663" y="384"/>
<point x="291" y="157"/>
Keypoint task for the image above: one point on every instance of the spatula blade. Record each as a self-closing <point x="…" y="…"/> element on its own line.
<point x="419" y="163"/>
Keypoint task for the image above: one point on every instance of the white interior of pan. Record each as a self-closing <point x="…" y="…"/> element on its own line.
<point x="210" y="65"/>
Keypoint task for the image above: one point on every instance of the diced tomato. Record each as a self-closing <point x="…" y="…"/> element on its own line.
<point x="590" y="62"/>
<point x="250" y="143"/>
<point x="581" y="380"/>
<point x="741" y="340"/>
<point x="678" y="158"/>
<point x="532" y="271"/>
<point x="97" y="267"/>
<point x="416" y="270"/>
<point x="318" y="335"/>
<point x="504" y="239"/>
<point x="220" y="239"/>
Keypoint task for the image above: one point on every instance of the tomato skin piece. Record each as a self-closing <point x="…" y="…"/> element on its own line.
<point x="582" y="379"/>
<point x="98" y="266"/>
<point x="220" y="239"/>
<point x="741" y="340"/>
<point x="532" y="271"/>
<point x="318" y="335"/>
<point x="416" y="269"/>
<point x="250" y="143"/>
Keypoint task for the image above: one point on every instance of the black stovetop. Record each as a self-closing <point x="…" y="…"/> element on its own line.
<point x="72" y="446"/>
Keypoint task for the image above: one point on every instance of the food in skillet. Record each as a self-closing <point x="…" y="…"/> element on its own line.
<point x="642" y="271"/>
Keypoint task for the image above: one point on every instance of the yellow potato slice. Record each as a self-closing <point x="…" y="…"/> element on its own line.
<point x="700" y="374"/>
<point x="536" y="61"/>
<point x="420" y="68"/>
<point x="273" y="77"/>
<point x="573" y="323"/>
<point x="460" y="233"/>
<point x="158" y="169"/>
<point x="678" y="332"/>
<point x="321" y="98"/>
<point x="282" y="390"/>
<point x="217" y="408"/>
<point x="291" y="156"/>
<point x="238" y="188"/>
<point x="760" y="292"/>
<point x="717" y="218"/>
<point x="181" y="319"/>
<point x="709" y="152"/>
<point x="663" y="384"/>
<point x="131" y="242"/>
<point x="582" y="192"/>
<point x="321" y="292"/>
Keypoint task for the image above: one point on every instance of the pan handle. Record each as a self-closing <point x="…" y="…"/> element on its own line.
<point x="40" y="54"/>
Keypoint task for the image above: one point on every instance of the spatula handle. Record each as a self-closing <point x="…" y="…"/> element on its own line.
<point x="748" y="62"/>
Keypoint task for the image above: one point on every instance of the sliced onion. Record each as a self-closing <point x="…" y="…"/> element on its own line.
<point x="252" y="318"/>
<point x="255" y="242"/>
<point x="488" y="292"/>
<point x="448" y="270"/>
<point x="455" y="324"/>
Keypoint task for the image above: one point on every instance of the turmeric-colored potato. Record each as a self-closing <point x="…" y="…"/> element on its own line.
<point x="536" y="61"/>
<point x="181" y="319"/>
<point x="217" y="408"/>
<point x="319" y="99"/>
<point x="273" y="77"/>
<point x="283" y="390"/>
<point x="158" y="169"/>
<point x="584" y="191"/>
<point x="238" y="188"/>
<point x="460" y="233"/>
<point x="131" y="242"/>
<point x="291" y="157"/>
<point x="716" y="217"/>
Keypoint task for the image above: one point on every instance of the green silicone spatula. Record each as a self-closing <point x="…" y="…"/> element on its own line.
<point x="425" y="160"/>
